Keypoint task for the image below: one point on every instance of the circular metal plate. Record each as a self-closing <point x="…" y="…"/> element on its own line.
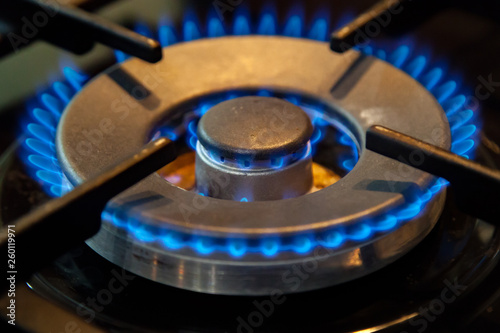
<point x="113" y="116"/>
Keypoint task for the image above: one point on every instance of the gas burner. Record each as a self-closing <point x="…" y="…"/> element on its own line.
<point x="196" y="242"/>
<point x="235" y="220"/>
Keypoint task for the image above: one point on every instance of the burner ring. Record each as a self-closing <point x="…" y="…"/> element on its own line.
<point x="84" y="151"/>
<point x="343" y="82"/>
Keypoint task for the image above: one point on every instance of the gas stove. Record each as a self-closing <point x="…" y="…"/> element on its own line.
<point x="266" y="175"/>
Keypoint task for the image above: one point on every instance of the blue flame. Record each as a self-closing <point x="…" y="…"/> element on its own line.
<point x="350" y="159"/>
<point x="38" y="129"/>
<point x="241" y="22"/>
<point x="294" y="22"/>
<point x="319" y="27"/>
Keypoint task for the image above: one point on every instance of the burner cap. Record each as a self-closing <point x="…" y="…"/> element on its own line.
<point x="256" y="147"/>
<point x="257" y="128"/>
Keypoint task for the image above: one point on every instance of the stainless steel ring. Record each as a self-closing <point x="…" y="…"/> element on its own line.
<point x="361" y="90"/>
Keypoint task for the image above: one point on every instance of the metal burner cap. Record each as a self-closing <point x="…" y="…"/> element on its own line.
<point x="254" y="127"/>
